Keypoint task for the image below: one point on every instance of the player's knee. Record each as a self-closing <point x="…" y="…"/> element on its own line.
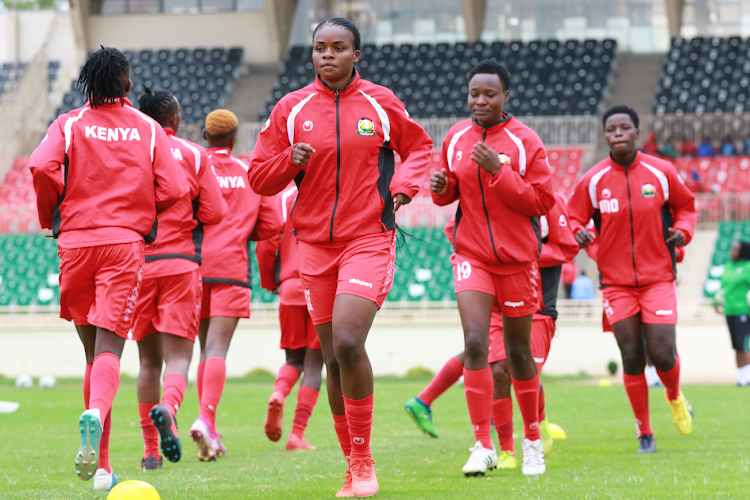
<point x="348" y="349"/>
<point x="332" y="368"/>
<point x="632" y="361"/>
<point x="663" y="359"/>
<point x="476" y="346"/>
<point x="500" y="374"/>
<point x="518" y="356"/>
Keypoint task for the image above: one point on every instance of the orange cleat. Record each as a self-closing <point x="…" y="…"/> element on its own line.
<point x="364" y="481"/>
<point x="296" y="442"/>
<point x="274" y="416"/>
<point x="346" y="491"/>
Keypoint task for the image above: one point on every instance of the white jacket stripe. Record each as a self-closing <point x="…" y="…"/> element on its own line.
<point x="196" y="153"/>
<point x="384" y="120"/>
<point x="662" y="179"/>
<point x="452" y="146"/>
<point x="242" y="163"/>
<point x="152" y="123"/>
<point x="68" y="129"/>
<point x="285" y="196"/>
<point x="292" y="115"/>
<point x="592" y="186"/>
<point x="521" y="153"/>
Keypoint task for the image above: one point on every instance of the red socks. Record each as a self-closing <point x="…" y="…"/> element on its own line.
<point x="541" y="403"/>
<point x="104" y="444"/>
<point x="359" y="416"/>
<point x="306" y="399"/>
<point x="174" y="391"/>
<point x="199" y="380"/>
<point x="150" y="434"/>
<point x="671" y="379"/>
<point x="105" y="379"/>
<point x="445" y="378"/>
<point x="341" y="425"/>
<point x="478" y="385"/>
<point x="527" y="395"/>
<point x="502" y="415"/>
<point x="285" y="380"/>
<point x="637" y="389"/>
<point x="214" y="377"/>
<point x="87" y="386"/>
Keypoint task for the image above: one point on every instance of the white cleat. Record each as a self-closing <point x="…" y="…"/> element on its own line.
<point x="201" y="435"/>
<point x="105" y="481"/>
<point x="480" y="460"/>
<point x="533" y="458"/>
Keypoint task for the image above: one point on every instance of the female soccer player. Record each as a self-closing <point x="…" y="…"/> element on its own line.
<point x="735" y="286"/>
<point x="171" y="292"/>
<point x="498" y="169"/>
<point x="226" y="272"/>
<point x="344" y="216"/>
<point x="278" y="263"/>
<point x="101" y="175"/>
<point x="642" y="211"/>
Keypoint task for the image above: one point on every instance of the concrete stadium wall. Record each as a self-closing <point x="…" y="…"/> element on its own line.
<point x="23" y="34"/>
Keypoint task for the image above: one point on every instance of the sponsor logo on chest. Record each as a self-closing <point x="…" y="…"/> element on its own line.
<point x="608" y="205"/>
<point x="112" y="134"/>
<point x="231" y="181"/>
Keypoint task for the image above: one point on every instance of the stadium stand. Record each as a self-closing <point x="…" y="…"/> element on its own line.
<point x="548" y="77"/>
<point x="29" y="272"/>
<point x="18" y="200"/>
<point x="200" y="78"/>
<point x="729" y="231"/>
<point x="11" y="73"/>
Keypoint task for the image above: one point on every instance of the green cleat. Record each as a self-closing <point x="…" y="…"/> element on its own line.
<point x="547" y="440"/>
<point x="87" y="459"/>
<point x="422" y="416"/>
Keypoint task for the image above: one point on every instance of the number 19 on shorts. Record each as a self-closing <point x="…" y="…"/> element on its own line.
<point x="463" y="270"/>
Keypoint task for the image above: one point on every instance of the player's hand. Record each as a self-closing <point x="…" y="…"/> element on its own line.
<point x="301" y="154"/>
<point x="439" y="182"/>
<point x="676" y="237"/>
<point x="719" y="309"/>
<point x="486" y="157"/>
<point x="275" y="291"/>
<point x="400" y="199"/>
<point x="584" y="238"/>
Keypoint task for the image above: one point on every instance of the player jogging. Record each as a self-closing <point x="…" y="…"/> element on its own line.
<point x="336" y="139"/>
<point x="226" y="273"/>
<point x="642" y="211"/>
<point x="171" y="291"/>
<point x="498" y="169"/>
<point x="278" y="264"/>
<point x="101" y="175"/>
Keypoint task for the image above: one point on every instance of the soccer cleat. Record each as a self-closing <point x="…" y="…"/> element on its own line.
<point x="547" y="440"/>
<point x="507" y="460"/>
<point x="219" y="448"/>
<point x="201" y="435"/>
<point x="166" y="424"/>
<point x="87" y="458"/>
<point x="647" y="445"/>
<point x="105" y="481"/>
<point x="296" y="442"/>
<point x="364" y="481"/>
<point x="152" y="463"/>
<point x="533" y="458"/>
<point x="346" y="491"/>
<point x="422" y="416"/>
<point x="682" y="414"/>
<point x="274" y="421"/>
<point x="480" y="460"/>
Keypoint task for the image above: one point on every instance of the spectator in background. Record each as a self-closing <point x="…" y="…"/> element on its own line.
<point x="744" y="146"/>
<point x="688" y="148"/>
<point x="706" y="147"/>
<point x="569" y="273"/>
<point x="668" y="150"/>
<point x="727" y="147"/>
<point x="650" y="145"/>
<point x="583" y="288"/>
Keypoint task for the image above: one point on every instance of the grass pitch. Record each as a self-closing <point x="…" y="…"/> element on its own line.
<point x="598" y="460"/>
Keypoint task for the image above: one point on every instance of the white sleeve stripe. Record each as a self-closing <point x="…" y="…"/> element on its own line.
<point x="152" y="123"/>
<point x="285" y="196"/>
<point x="592" y="186"/>
<point x="196" y="153"/>
<point x="242" y="163"/>
<point x="662" y="179"/>
<point x="290" y="121"/>
<point x="452" y="146"/>
<point x="521" y="153"/>
<point x="68" y="129"/>
<point x="384" y="120"/>
<point x="544" y="226"/>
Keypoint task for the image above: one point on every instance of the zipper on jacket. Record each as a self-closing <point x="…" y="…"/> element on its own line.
<point x="338" y="165"/>
<point x="632" y="231"/>
<point x="486" y="213"/>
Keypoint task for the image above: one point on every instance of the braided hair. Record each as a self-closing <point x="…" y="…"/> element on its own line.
<point x="344" y="23"/>
<point x="156" y="104"/>
<point x="100" y="76"/>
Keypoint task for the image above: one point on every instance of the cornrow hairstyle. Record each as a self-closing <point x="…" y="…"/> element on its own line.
<point x="156" y="104"/>
<point x="621" y="109"/>
<point x="345" y="23"/>
<point x="491" y="67"/>
<point x="100" y="76"/>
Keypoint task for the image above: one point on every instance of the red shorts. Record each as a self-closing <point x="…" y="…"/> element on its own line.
<point x="517" y="294"/>
<point x="169" y="304"/>
<point x="657" y="303"/>
<point x="542" y="331"/>
<point x="297" y="330"/>
<point x="99" y="285"/>
<point x="221" y="299"/>
<point x="361" y="267"/>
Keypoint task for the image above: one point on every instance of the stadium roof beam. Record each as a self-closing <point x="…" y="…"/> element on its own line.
<point x="674" y="14"/>
<point x="473" y="12"/>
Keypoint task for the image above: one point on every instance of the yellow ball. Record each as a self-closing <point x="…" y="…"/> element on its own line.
<point x="605" y="383"/>
<point x="133" y="490"/>
<point x="557" y="432"/>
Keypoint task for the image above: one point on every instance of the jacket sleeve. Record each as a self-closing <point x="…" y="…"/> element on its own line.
<point x="46" y="164"/>
<point x="170" y="183"/>
<point x="414" y="146"/>
<point x="561" y="246"/>
<point x="212" y="207"/>
<point x="580" y="209"/>
<point x="452" y="194"/>
<point x="269" y="223"/>
<point x="271" y="167"/>
<point x="682" y="202"/>
<point x="266" y="252"/>
<point x="532" y="195"/>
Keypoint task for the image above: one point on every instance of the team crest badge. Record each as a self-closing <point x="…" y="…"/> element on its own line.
<point x="365" y="126"/>
<point x="648" y="190"/>
<point x="504" y="159"/>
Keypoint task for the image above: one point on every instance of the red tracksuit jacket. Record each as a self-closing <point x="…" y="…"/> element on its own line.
<point x="346" y="189"/>
<point x="102" y="175"/>
<point x="278" y="262"/>
<point x="497" y="220"/>
<point x="632" y="208"/>
<point x="178" y="246"/>
<point x="250" y="217"/>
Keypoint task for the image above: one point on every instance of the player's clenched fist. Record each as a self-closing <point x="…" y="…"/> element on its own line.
<point x="301" y="154"/>
<point x="439" y="182"/>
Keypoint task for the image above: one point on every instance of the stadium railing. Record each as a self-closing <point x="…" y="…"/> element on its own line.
<point x="693" y="126"/>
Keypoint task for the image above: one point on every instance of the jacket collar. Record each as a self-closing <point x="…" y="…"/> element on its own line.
<point x="351" y="87"/>
<point x="498" y="125"/>
<point x="111" y="103"/>
<point x="636" y="159"/>
<point x="219" y="150"/>
<point x="169" y="131"/>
